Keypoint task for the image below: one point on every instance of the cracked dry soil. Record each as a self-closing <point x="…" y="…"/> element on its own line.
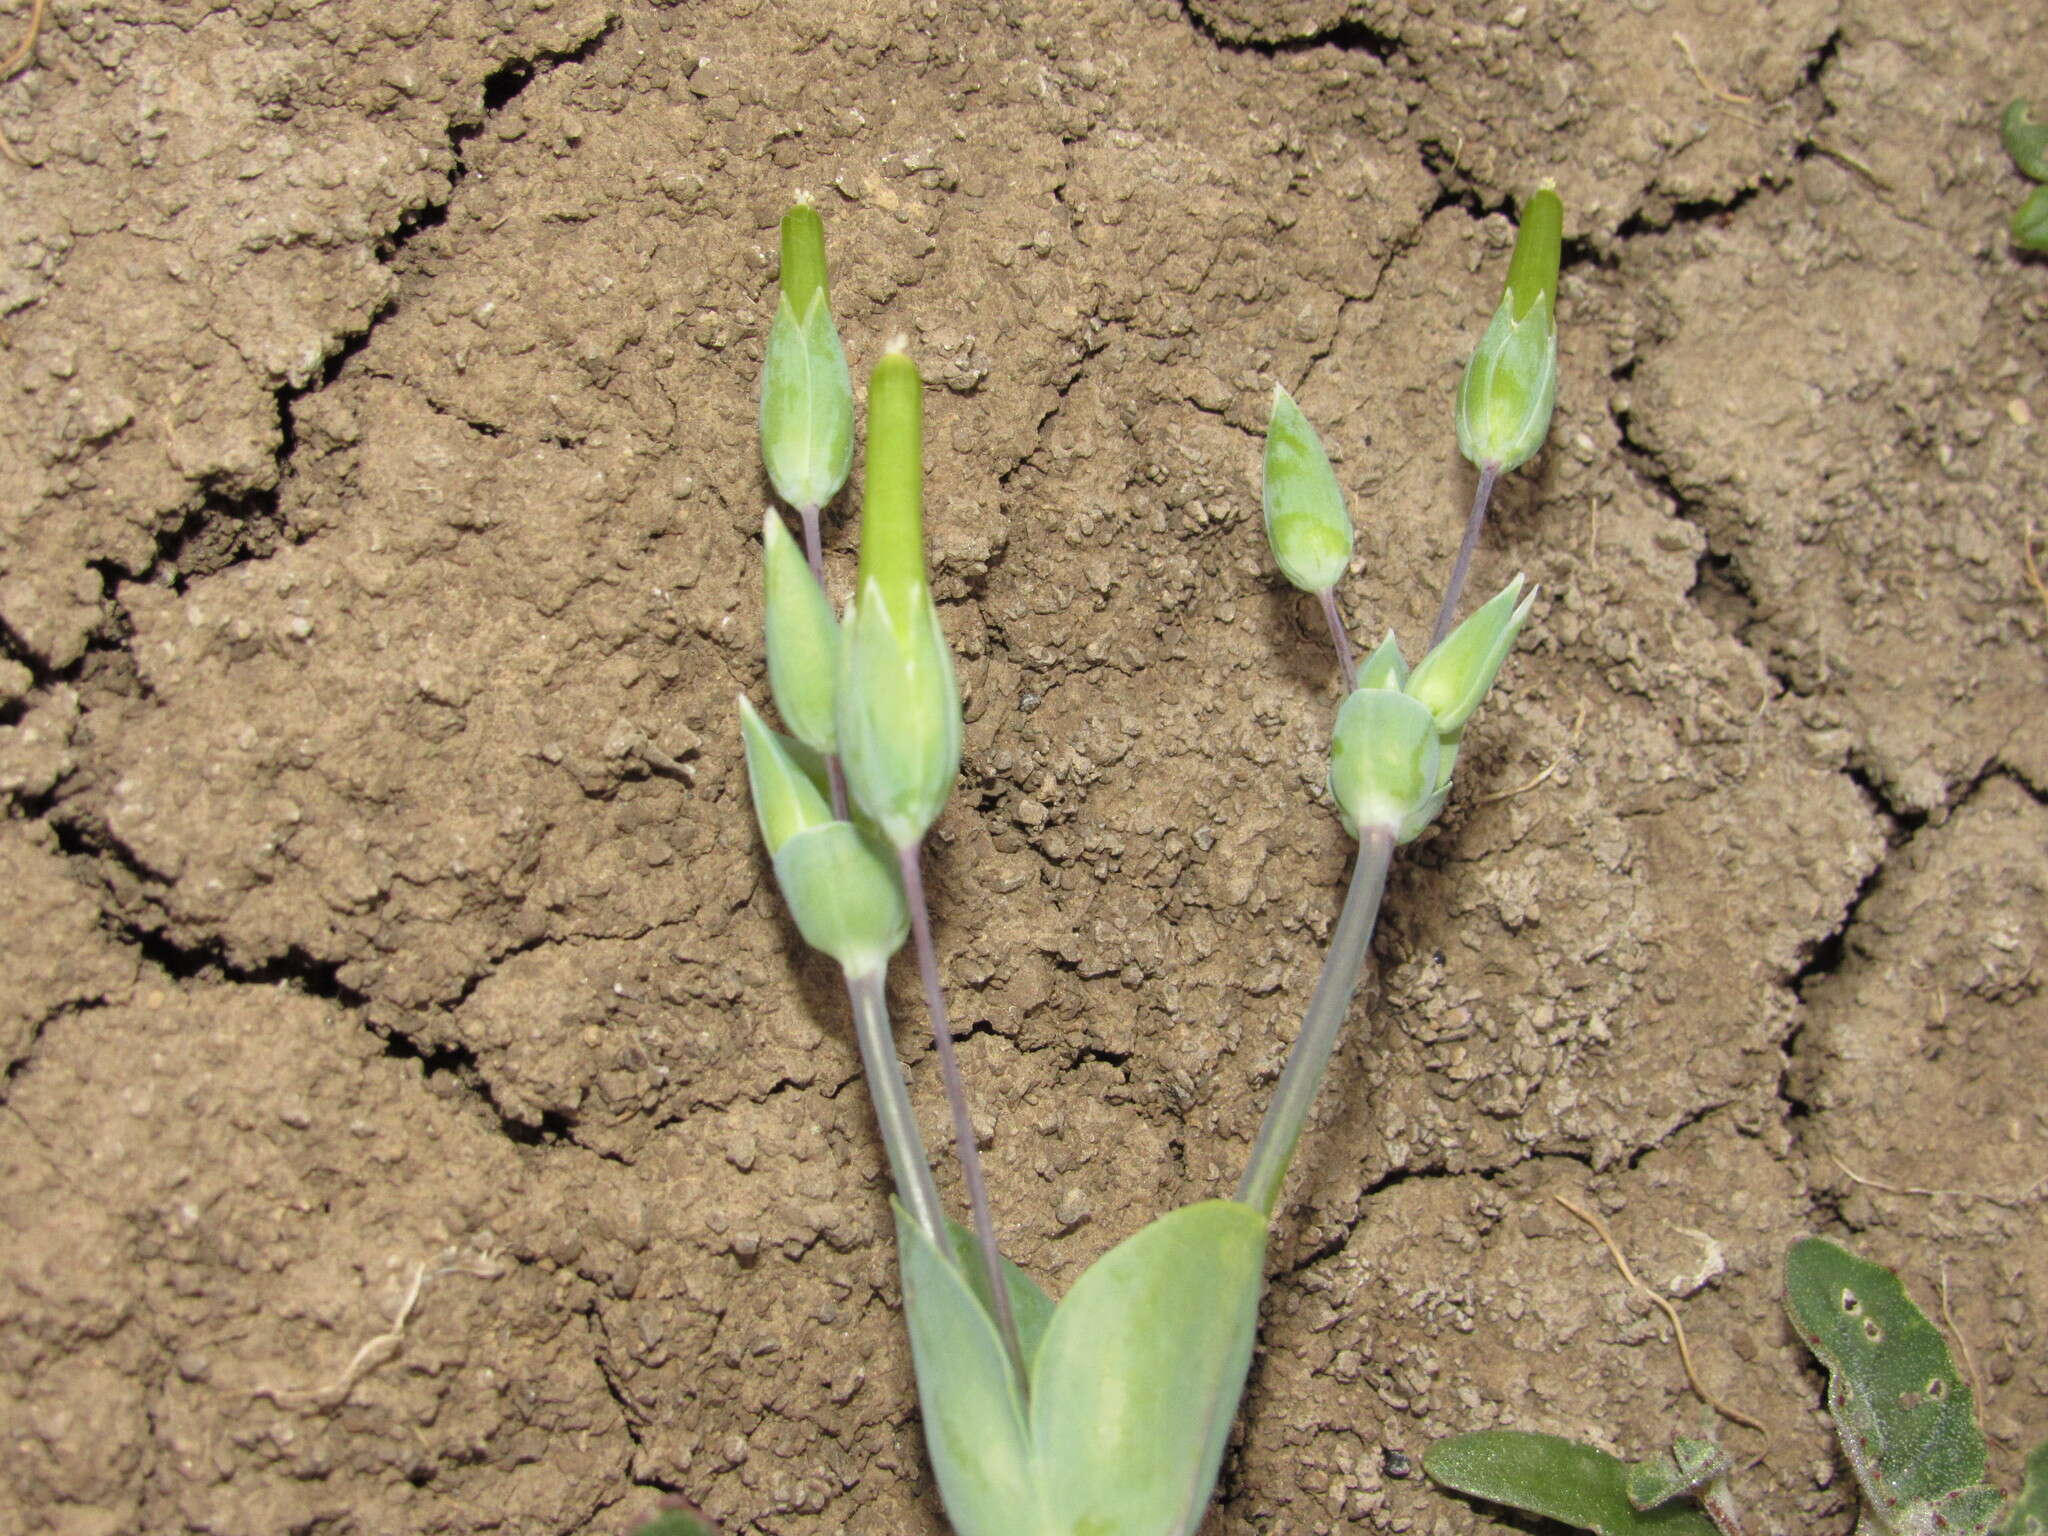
<point x="378" y="506"/>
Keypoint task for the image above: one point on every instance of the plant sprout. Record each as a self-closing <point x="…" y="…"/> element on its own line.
<point x="1902" y="1412"/>
<point x="1108" y="1411"/>
<point x="2027" y="142"/>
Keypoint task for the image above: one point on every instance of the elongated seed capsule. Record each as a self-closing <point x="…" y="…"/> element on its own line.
<point x="1510" y="386"/>
<point x="898" y="708"/>
<point x="806" y="390"/>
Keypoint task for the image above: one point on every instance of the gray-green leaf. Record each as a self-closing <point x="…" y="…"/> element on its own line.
<point x="806" y="405"/>
<point x="1556" y="1478"/>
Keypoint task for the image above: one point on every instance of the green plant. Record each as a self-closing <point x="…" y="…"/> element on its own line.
<point x="1107" y="1412"/>
<point x="1904" y="1416"/>
<point x="2027" y="142"/>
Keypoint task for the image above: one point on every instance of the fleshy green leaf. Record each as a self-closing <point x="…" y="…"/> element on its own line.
<point x="1030" y="1307"/>
<point x="1686" y="1467"/>
<point x="2030" y="221"/>
<point x="1556" y="1478"/>
<point x="974" y="1429"/>
<point x="1902" y="1411"/>
<point x="1138" y="1378"/>
<point x="2025" y="140"/>
<point x="1306" y="521"/>
<point x="787" y="800"/>
<point x="677" y="1522"/>
<point x="2027" y="1515"/>
<point x="1453" y="679"/>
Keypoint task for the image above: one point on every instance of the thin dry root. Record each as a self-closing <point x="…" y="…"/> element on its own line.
<point x="1732" y="1414"/>
<point x="23" y="52"/>
<point x="2016" y="1202"/>
<point x="375" y="1351"/>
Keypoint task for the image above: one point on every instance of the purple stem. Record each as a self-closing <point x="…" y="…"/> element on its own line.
<point x="1338" y="638"/>
<point x="911" y="859"/>
<point x="814" y="551"/>
<point x="1489" y="474"/>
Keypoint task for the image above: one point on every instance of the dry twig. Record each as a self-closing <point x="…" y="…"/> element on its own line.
<point x="375" y="1351"/>
<point x="23" y="52"/>
<point x="1600" y="1229"/>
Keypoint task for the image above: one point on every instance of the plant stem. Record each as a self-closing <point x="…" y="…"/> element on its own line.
<point x="814" y="550"/>
<point x="1287" y="1116"/>
<point x="1338" y="638"/>
<point x="1489" y="475"/>
<point x="911" y="860"/>
<point x="908" y="1162"/>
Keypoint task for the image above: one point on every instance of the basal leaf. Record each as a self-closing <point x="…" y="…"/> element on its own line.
<point x="974" y="1426"/>
<point x="1138" y="1377"/>
<point x="1558" y="1479"/>
<point x="1903" y="1412"/>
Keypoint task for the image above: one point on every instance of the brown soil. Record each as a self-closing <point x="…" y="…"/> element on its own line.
<point x="378" y="506"/>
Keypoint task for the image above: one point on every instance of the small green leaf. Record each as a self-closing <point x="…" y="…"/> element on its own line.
<point x="1138" y="1378"/>
<point x="1902" y="1411"/>
<point x="803" y="639"/>
<point x="1556" y="1478"/>
<point x="1689" y="1465"/>
<point x="1453" y="679"/>
<point x="677" y="1522"/>
<point x="2027" y="1515"/>
<point x="1030" y="1307"/>
<point x="787" y="800"/>
<point x="2030" y="221"/>
<point x="1306" y="521"/>
<point x="1386" y="667"/>
<point x="2025" y="140"/>
<point x="974" y="1427"/>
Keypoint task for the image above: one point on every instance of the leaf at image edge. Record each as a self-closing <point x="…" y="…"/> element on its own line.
<point x="676" y="1522"/>
<point x="1556" y="1478"/>
<point x="2027" y="1515"/>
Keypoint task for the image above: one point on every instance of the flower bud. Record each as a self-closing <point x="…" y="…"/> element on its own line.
<point x="898" y="709"/>
<point x="806" y="391"/>
<point x="803" y="639"/>
<point x="1383" y="764"/>
<point x="843" y="890"/>
<point x="1452" y="679"/>
<point x="1510" y="386"/>
<point x="787" y="799"/>
<point x="1306" y="520"/>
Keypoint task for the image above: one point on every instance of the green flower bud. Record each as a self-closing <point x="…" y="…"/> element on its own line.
<point x="803" y="639"/>
<point x="1452" y="679"/>
<point x="1306" y="520"/>
<point x="2025" y="140"/>
<point x="806" y="391"/>
<point x="787" y="799"/>
<point x="844" y="891"/>
<point x="1386" y="667"/>
<point x="2030" y="221"/>
<point x="1383" y="763"/>
<point x="1510" y="386"/>
<point x="898" y="714"/>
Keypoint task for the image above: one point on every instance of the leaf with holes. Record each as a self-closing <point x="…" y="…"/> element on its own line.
<point x="1903" y="1413"/>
